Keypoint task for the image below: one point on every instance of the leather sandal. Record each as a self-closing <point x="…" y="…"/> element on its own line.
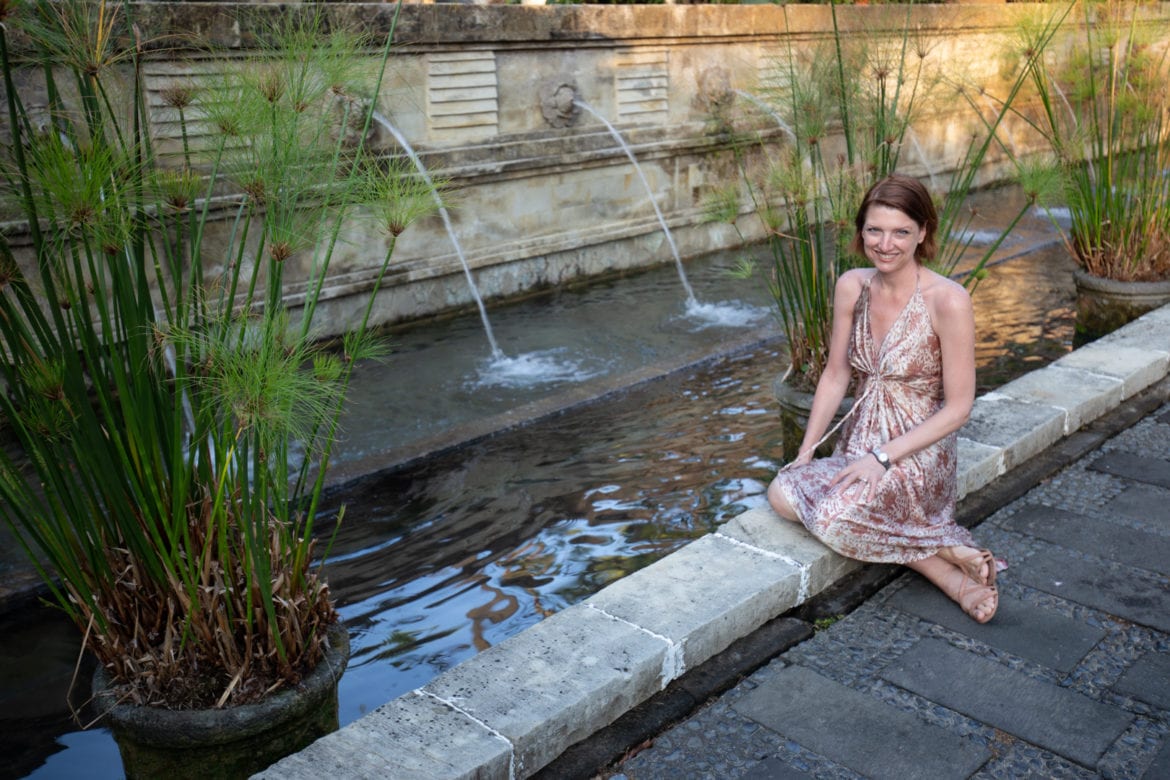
<point x="971" y="565"/>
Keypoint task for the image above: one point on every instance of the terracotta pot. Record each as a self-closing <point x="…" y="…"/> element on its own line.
<point x="795" y="406"/>
<point x="233" y="742"/>
<point x="1104" y="305"/>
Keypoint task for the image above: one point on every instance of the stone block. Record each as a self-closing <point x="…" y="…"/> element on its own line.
<point x="414" y="737"/>
<point x="763" y="529"/>
<point x="1020" y="428"/>
<point x="857" y="730"/>
<point x="1142" y="502"/>
<point x="1136" y="367"/>
<point x="704" y="596"/>
<point x="1068" y="723"/>
<point x="1141" y="468"/>
<point x="1127" y="593"/>
<point x="556" y="683"/>
<point x="1160" y="768"/>
<point x="979" y="465"/>
<point x="1095" y="536"/>
<point x="1080" y="395"/>
<point x="1020" y="628"/>
<point x="1148" y="680"/>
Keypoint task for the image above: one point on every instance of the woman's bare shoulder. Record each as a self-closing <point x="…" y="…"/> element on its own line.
<point x="851" y="282"/>
<point x="944" y="295"/>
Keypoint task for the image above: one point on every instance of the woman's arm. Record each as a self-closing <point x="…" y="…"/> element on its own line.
<point x="834" y="381"/>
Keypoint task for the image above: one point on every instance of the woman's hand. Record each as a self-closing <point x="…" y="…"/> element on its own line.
<point x="803" y="459"/>
<point x="862" y="475"/>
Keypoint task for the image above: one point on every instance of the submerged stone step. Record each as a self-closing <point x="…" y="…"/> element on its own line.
<point x="1118" y="590"/>
<point x="1095" y="536"/>
<point x="856" y="730"/>
<point x="1042" y="713"/>
<point x="1018" y="628"/>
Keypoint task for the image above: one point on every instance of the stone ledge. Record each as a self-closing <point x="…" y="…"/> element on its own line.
<point x="704" y="596"/>
<point x="1136" y="367"/>
<point x="1081" y="395"/>
<point x="514" y="708"/>
<point x="979" y="464"/>
<point x="1016" y="429"/>
<point x="443" y="743"/>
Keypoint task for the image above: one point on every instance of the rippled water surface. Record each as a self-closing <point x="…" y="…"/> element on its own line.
<point x="453" y="552"/>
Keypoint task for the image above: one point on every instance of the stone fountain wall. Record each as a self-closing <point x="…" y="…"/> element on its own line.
<point x="543" y="195"/>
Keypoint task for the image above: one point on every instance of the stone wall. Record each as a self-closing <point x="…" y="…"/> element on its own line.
<point x="542" y="192"/>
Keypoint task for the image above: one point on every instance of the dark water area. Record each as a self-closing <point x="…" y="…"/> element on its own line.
<point x="454" y="552"/>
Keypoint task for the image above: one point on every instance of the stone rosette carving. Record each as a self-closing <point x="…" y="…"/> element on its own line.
<point x="558" y="102"/>
<point x="714" y="85"/>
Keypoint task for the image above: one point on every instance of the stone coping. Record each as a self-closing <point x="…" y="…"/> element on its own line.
<point x="512" y="709"/>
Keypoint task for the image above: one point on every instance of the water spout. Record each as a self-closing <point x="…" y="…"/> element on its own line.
<point x="422" y="171"/>
<point x="691" y="300"/>
<point x="501" y="370"/>
<point x="922" y="157"/>
<point x="769" y="111"/>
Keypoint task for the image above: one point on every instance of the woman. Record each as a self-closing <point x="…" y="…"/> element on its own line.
<point x="888" y="492"/>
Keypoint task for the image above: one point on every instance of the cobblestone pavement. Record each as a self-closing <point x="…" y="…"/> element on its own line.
<point x="1070" y="680"/>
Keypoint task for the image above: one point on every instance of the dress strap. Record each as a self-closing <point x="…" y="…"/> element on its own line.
<point x="869" y="386"/>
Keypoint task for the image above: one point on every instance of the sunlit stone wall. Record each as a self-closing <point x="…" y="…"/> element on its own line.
<point x="542" y="192"/>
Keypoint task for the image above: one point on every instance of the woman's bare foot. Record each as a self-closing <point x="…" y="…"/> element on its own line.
<point x="979" y="601"/>
<point x="977" y="564"/>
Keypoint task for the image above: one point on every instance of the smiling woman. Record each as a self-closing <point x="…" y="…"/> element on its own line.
<point x="887" y="493"/>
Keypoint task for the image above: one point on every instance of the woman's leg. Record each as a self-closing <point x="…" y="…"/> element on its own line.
<point x="979" y="601"/>
<point x="780" y="503"/>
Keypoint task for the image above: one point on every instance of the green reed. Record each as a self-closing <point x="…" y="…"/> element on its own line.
<point x="170" y="415"/>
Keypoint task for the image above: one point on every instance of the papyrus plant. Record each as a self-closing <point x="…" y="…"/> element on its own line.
<point x="847" y="108"/>
<point x="1103" y="101"/>
<point x="169" y="415"/>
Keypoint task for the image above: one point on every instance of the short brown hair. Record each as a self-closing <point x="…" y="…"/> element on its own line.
<point x="909" y="196"/>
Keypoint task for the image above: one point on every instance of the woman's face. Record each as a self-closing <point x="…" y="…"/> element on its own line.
<point x="890" y="237"/>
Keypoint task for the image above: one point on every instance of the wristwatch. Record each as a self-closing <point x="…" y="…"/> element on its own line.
<point x="882" y="457"/>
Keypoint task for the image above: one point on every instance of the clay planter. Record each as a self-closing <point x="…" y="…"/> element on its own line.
<point x="795" y="406"/>
<point x="233" y="742"/>
<point x="1104" y="305"/>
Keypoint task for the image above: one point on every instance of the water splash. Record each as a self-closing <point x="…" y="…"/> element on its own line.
<point x="530" y="368"/>
<point x="691" y="300"/>
<point x="422" y="171"/>
<point x="728" y="315"/>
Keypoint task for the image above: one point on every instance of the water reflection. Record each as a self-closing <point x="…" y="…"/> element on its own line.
<point x="512" y="529"/>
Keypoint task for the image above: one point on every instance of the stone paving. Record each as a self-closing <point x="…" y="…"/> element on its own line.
<point x="1071" y="679"/>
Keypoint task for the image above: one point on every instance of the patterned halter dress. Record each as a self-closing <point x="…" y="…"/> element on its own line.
<point x="898" y="385"/>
